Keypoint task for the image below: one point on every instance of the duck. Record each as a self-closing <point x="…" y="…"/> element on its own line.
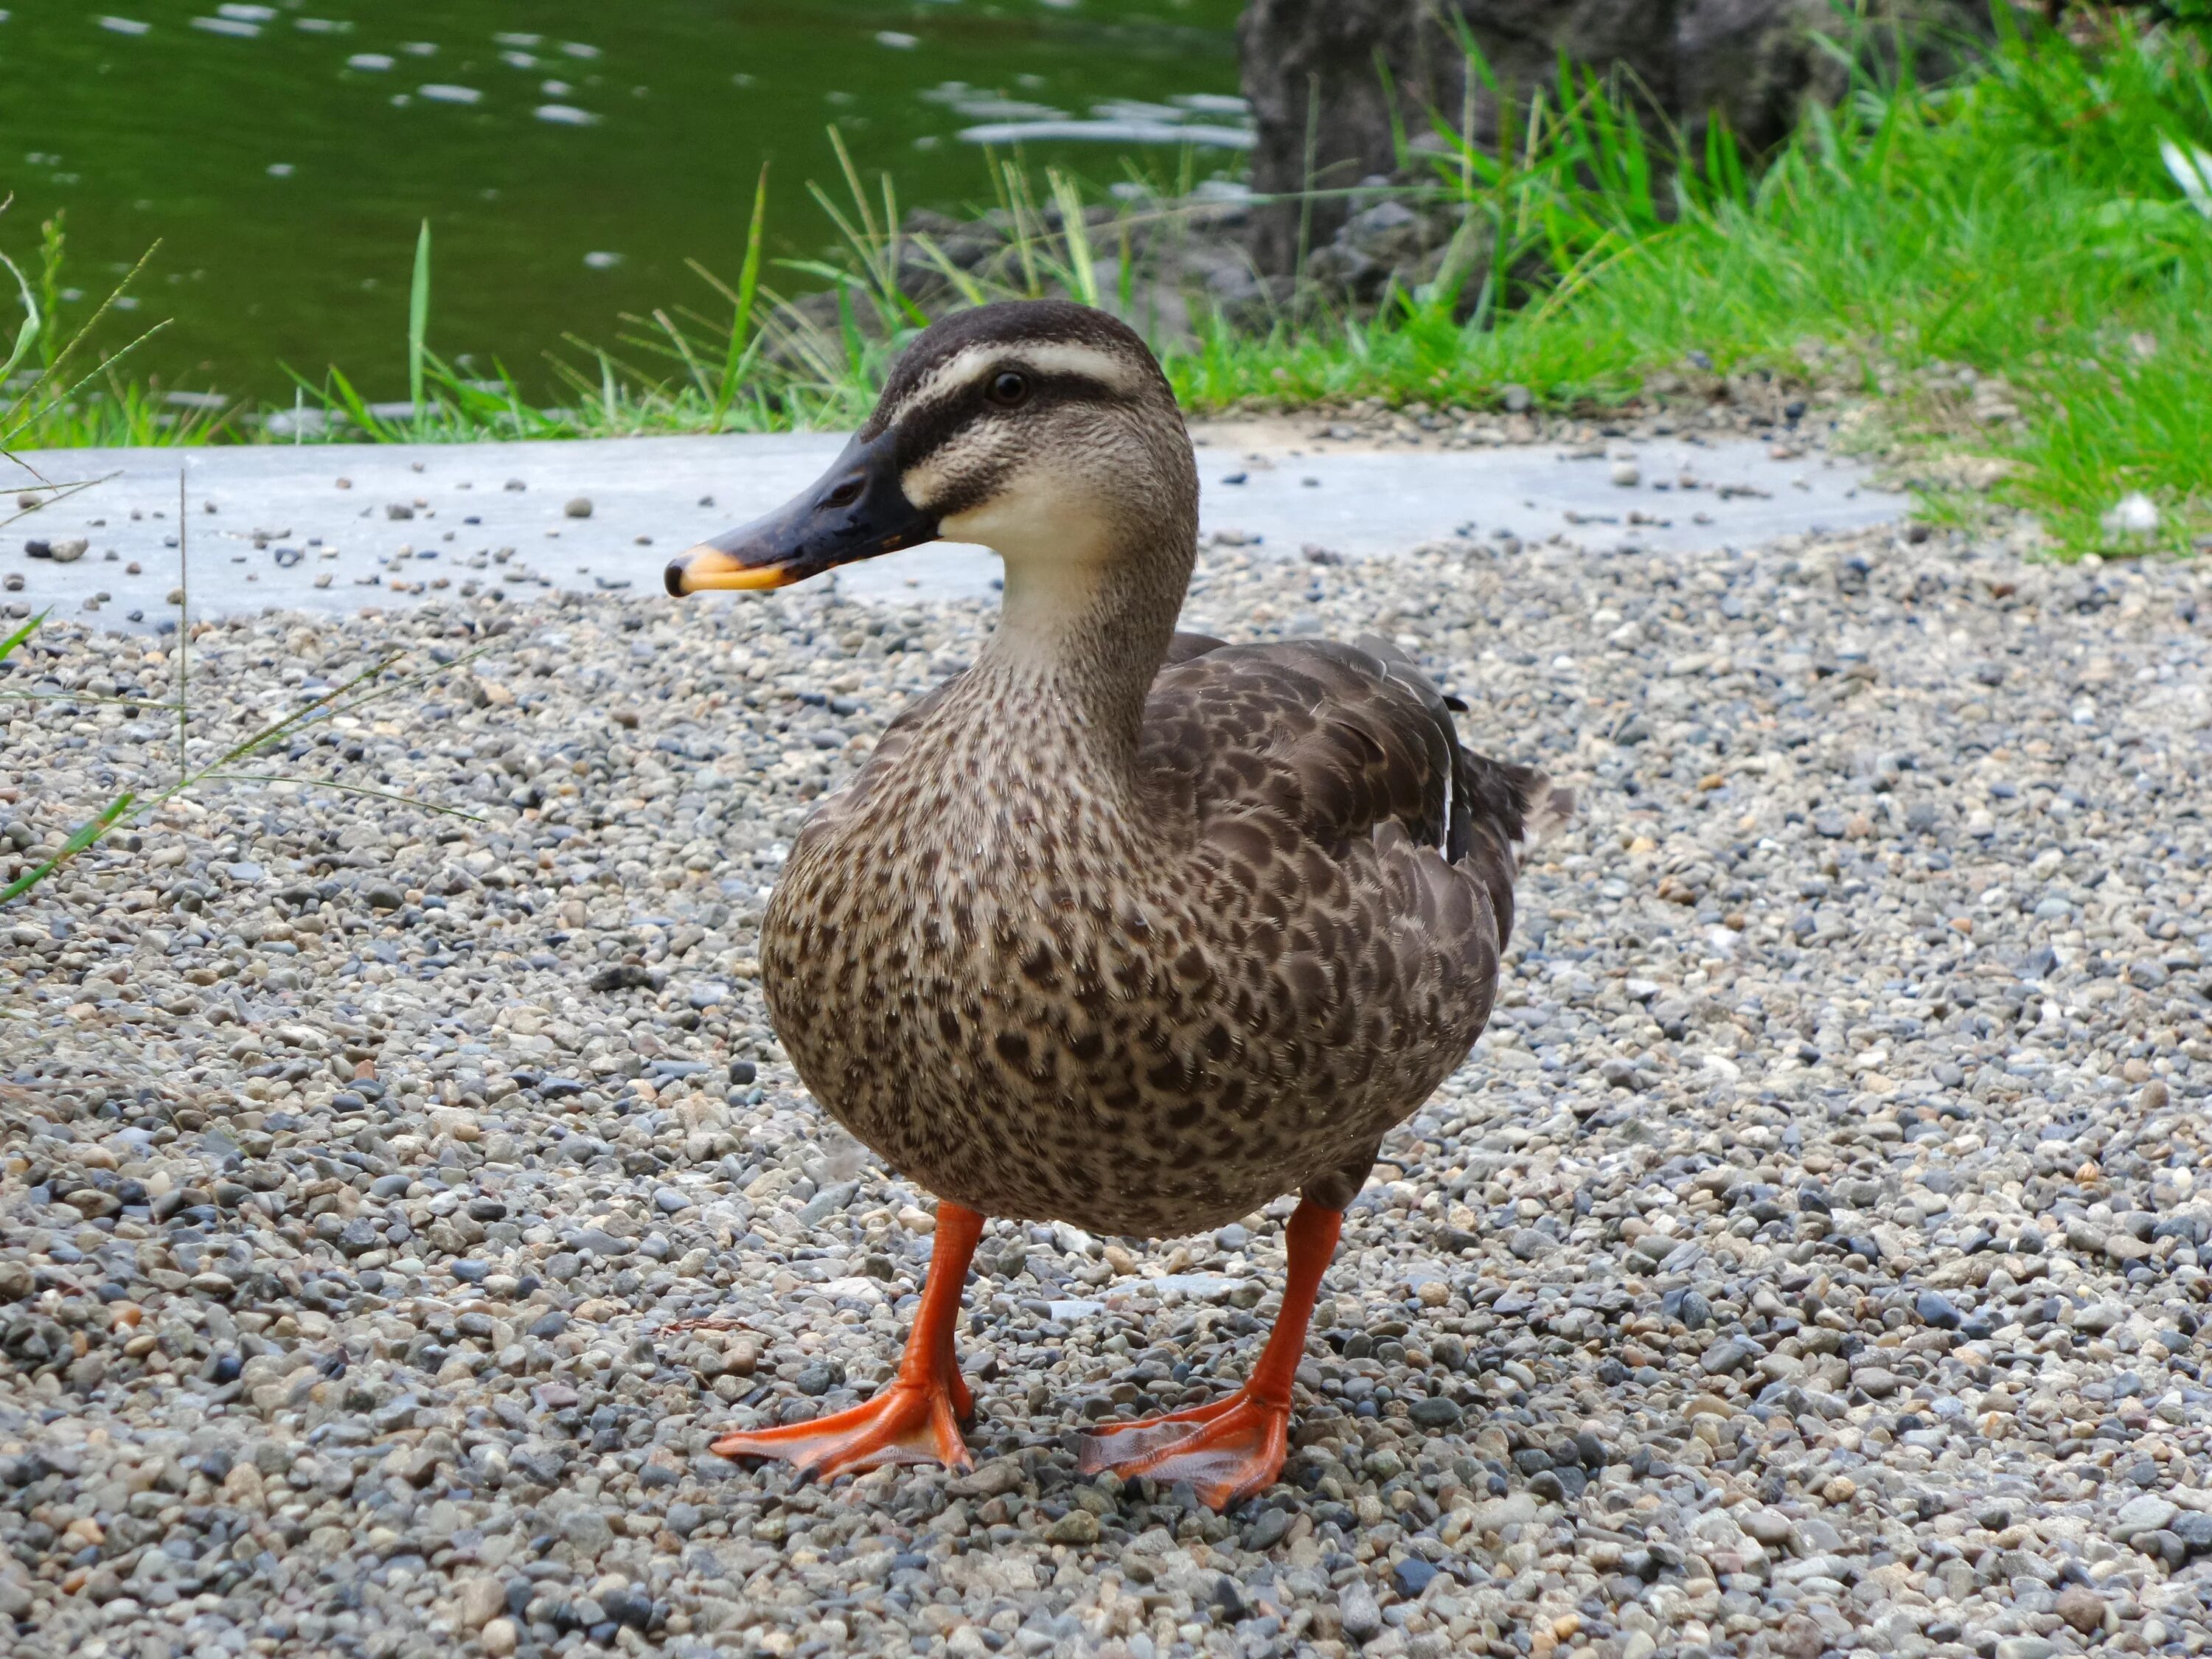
<point x="1120" y="927"/>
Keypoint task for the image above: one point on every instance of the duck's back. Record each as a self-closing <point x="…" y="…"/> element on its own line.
<point x="1155" y="1022"/>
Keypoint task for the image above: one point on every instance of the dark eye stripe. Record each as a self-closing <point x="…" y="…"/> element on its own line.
<point x="927" y="427"/>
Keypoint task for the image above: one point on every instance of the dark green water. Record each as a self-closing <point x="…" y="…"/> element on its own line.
<point x="578" y="153"/>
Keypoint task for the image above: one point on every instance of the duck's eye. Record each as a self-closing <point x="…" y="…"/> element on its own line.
<point x="845" y="494"/>
<point x="1008" y="390"/>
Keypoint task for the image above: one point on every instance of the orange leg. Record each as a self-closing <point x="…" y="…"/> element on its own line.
<point x="917" y="1417"/>
<point x="1232" y="1448"/>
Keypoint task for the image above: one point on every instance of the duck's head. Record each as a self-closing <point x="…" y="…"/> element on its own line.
<point x="1042" y="429"/>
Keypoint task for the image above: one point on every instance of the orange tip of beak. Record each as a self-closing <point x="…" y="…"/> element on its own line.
<point x="705" y="566"/>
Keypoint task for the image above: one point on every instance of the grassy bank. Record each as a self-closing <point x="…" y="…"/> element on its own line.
<point x="2018" y="264"/>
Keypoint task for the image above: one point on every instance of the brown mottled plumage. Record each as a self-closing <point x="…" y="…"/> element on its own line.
<point x="1144" y="990"/>
<point x="1121" y="927"/>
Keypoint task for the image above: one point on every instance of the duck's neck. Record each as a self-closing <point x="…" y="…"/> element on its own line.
<point x="1083" y="628"/>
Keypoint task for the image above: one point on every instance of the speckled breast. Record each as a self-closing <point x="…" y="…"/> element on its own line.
<point x="1028" y="1013"/>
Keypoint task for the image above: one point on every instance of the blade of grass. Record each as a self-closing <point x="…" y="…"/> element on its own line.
<point x="1306" y="176"/>
<point x="873" y="237"/>
<point x="682" y="343"/>
<point x="1083" y="271"/>
<point x="1020" y="212"/>
<point x="24" y="416"/>
<point x="139" y="703"/>
<point x="358" y="411"/>
<point x="184" y="629"/>
<point x="90" y="832"/>
<point x="87" y="833"/>
<point x="341" y="788"/>
<point x="418" y="317"/>
<point x="49" y="493"/>
<point x="963" y="284"/>
<point x="50" y="245"/>
<point x="8" y="646"/>
<point x="28" y="331"/>
<point x="741" y="321"/>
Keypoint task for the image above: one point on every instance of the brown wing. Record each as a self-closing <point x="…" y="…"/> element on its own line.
<point x="1183" y="646"/>
<point x="1337" y="740"/>
<point x="1361" y="866"/>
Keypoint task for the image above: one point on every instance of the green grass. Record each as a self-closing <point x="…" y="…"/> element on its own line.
<point x="66" y="391"/>
<point x="2024" y="223"/>
<point x="2042" y="221"/>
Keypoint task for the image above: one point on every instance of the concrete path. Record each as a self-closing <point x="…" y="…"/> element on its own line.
<point x="336" y="527"/>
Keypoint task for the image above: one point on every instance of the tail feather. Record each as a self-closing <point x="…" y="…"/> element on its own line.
<point x="1547" y="809"/>
<point x="1520" y="804"/>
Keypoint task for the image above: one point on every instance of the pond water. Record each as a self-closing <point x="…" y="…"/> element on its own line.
<point x="570" y="156"/>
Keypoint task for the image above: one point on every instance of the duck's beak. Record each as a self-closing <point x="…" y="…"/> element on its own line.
<point x="856" y="511"/>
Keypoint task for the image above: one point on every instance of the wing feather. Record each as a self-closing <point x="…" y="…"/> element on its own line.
<point x="1334" y="741"/>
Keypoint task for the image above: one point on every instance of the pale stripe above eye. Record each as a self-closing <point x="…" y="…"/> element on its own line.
<point x="964" y="370"/>
<point x="1110" y="369"/>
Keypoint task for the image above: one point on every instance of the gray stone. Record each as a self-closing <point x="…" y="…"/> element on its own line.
<point x="1840" y="1568"/>
<point x="358" y="1237"/>
<point x="479" y="1599"/>
<point x="1077" y="1526"/>
<point x="2146" y="1512"/>
<point x="1728" y="1355"/>
<point x="1268" y="1530"/>
<point x="626" y="1605"/>
<point x="1770" y="1527"/>
<point x="1935" y="1309"/>
<point x="1531" y="1245"/>
<point x="1809" y="1536"/>
<point x="1436" y="1413"/>
<point x="1361" y="1612"/>
<point x="2194" y="1528"/>
<point x="585" y="1530"/>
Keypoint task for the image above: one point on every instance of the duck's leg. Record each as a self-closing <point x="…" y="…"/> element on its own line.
<point x="1234" y="1447"/>
<point x="917" y="1417"/>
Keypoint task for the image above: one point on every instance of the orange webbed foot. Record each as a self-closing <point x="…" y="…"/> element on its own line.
<point x="1228" y="1451"/>
<point x="1232" y="1448"/>
<point x="909" y="1422"/>
<point x="917" y="1417"/>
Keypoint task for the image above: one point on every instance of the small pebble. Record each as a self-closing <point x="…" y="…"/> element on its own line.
<point x="1361" y="1615"/>
<point x="2082" y="1608"/>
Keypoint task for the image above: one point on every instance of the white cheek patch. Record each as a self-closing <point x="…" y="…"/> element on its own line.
<point x="1032" y="522"/>
<point x="1058" y="546"/>
<point x="924" y="484"/>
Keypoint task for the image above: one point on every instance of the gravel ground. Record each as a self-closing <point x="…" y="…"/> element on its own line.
<point x="1808" y="1260"/>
